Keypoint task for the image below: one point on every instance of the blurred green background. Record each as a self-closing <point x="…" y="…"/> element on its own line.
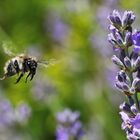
<point x="74" y="33"/>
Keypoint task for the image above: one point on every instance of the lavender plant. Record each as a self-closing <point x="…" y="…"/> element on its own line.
<point x="10" y="115"/>
<point x="69" y="127"/>
<point x="126" y="46"/>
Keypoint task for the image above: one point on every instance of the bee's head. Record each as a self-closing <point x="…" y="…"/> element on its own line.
<point x="32" y="64"/>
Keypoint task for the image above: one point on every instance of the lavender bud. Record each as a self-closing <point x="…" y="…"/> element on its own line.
<point x="112" y="29"/>
<point x="134" y="55"/>
<point x="128" y="39"/>
<point x="118" y="85"/>
<point x="111" y="39"/>
<point x="132" y="90"/>
<point x="137" y="62"/>
<point x="115" y="19"/>
<point x="127" y="62"/>
<point x="134" y="136"/>
<point x="122" y="77"/>
<point x="112" y="19"/>
<point x="125" y="87"/>
<point x="122" y="86"/>
<point x="117" y="61"/>
<point x="115" y="38"/>
<point x="119" y="39"/>
<point x="125" y="107"/>
<point x="128" y="18"/>
<point x="134" y="109"/>
<point x="136" y="83"/>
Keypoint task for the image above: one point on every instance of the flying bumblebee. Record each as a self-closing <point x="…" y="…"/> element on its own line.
<point x="22" y="64"/>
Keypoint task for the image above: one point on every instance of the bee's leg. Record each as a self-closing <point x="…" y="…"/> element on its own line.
<point x="21" y="75"/>
<point x="32" y="65"/>
<point x="32" y="76"/>
<point x="27" y="77"/>
<point x="33" y="72"/>
<point x="4" y="77"/>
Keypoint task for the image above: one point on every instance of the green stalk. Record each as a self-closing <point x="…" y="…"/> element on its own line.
<point x="137" y="101"/>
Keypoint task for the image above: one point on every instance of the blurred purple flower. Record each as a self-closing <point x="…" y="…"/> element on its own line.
<point x="6" y="113"/>
<point x="67" y="116"/>
<point x="62" y="133"/>
<point x="69" y="126"/>
<point x="98" y="43"/>
<point x="9" y="115"/>
<point x="111" y="76"/>
<point x="42" y="89"/>
<point x="22" y="113"/>
<point x="57" y="28"/>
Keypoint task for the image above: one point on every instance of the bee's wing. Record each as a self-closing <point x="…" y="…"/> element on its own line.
<point x="7" y="44"/>
<point x="7" y="49"/>
<point x="47" y="63"/>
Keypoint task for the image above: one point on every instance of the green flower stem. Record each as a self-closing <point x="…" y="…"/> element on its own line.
<point x="137" y="101"/>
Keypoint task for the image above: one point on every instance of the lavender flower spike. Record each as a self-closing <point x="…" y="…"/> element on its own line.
<point x="69" y="127"/>
<point x="127" y="60"/>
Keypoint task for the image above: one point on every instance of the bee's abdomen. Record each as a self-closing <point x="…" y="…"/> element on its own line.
<point x="13" y="67"/>
<point x="10" y="69"/>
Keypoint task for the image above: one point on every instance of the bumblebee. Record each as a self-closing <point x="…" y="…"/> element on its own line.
<point x="22" y="64"/>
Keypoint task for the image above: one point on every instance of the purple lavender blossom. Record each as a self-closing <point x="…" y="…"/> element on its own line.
<point x="115" y="19"/>
<point x="128" y="18"/>
<point x="117" y="61"/>
<point x="69" y="126"/>
<point x="136" y="41"/>
<point x="128" y="39"/>
<point x="22" y="113"/>
<point x="57" y="28"/>
<point x="111" y="76"/>
<point x="128" y="61"/>
<point x="10" y="115"/>
<point x="125" y="21"/>
<point x="131" y="121"/>
<point x="6" y="113"/>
